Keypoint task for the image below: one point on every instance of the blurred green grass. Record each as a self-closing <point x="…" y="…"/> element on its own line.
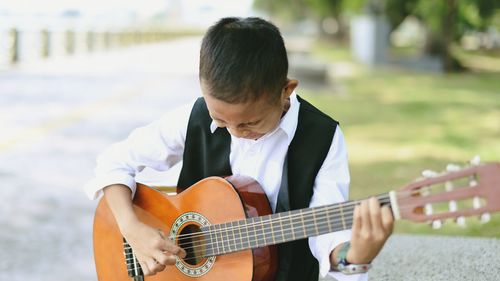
<point x="398" y="123"/>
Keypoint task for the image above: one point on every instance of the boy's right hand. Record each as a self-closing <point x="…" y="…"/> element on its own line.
<point x="151" y="246"/>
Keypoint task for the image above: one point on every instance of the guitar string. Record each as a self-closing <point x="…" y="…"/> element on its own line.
<point x="332" y="207"/>
<point x="401" y="194"/>
<point x="250" y="241"/>
<point x="268" y="225"/>
<point x="265" y="227"/>
<point x="335" y="210"/>
<point x="198" y="257"/>
<point x="343" y="205"/>
<point x="264" y="224"/>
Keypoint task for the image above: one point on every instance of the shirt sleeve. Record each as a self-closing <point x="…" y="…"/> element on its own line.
<point x="159" y="145"/>
<point x="332" y="186"/>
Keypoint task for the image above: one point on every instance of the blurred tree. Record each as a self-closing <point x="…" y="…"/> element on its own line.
<point x="318" y="10"/>
<point x="284" y="9"/>
<point x="324" y="9"/>
<point x="445" y="20"/>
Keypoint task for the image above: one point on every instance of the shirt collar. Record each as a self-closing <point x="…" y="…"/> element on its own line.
<point x="288" y="122"/>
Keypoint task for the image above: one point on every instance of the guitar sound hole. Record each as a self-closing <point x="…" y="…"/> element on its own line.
<point x="192" y="241"/>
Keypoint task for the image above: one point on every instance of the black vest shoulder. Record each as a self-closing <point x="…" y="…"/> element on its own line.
<point x="207" y="154"/>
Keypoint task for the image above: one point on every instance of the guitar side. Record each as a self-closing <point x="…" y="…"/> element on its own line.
<point x="214" y="198"/>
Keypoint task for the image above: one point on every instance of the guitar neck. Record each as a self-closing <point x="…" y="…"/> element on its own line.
<point x="280" y="227"/>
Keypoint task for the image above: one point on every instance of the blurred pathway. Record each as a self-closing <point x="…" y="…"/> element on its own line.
<point x="56" y="116"/>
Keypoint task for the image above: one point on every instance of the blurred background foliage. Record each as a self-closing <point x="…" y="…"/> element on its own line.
<point x="445" y="22"/>
<point x="399" y="119"/>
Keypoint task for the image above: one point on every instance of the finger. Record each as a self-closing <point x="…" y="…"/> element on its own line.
<point x="165" y="258"/>
<point x="387" y="219"/>
<point x="172" y="248"/>
<point x="145" y="268"/>
<point x="375" y="219"/>
<point x="356" y="225"/>
<point x="366" y="225"/>
<point x="161" y="258"/>
<point x="154" y="266"/>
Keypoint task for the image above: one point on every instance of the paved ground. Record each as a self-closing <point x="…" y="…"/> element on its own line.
<point x="437" y="258"/>
<point x="56" y="116"/>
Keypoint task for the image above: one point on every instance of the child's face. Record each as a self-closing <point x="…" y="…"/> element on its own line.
<point x="249" y="120"/>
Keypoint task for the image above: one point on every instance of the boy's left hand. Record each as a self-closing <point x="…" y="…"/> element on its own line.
<point x="372" y="225"/>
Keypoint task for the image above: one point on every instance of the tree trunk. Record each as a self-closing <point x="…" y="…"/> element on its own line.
<point x="448" y="34"/>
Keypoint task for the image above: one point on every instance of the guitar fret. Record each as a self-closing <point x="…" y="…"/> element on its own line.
<point x="210" y="241"/>
<point x="314" y="222"/>
<point x="330" y="229"/>
<point x="270" y="221"/>
<point x="234" y="241"/>
<point x="227" y="239"/>
<point x="341" y="208"/>
<point x="322" y="221"/>
<point x="281" y="229"/>
<point x="213" y="236"/>
<point x="260" y="232"/>
<point x="291" y="225"/>
<point x="220" y="239"/>
<point x="256" y="238"/>
<point x="240" y="228"/>
<point x="248" y="237"/>
<point x="303" y="224"/>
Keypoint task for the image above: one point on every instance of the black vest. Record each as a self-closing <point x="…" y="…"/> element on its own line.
<point x="207" y="154"/>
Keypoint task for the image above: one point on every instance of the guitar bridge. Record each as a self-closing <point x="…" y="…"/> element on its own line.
<point x="134" y="269"/>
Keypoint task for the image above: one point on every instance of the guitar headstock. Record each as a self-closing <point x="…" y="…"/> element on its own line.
<point x="456" y="193"/>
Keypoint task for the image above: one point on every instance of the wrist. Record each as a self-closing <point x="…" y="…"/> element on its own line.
<point x="127" y="224"/>
<point x="341" y="263"/>
<point x="119" y="201"/>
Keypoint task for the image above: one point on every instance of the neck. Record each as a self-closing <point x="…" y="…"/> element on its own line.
<point x="281" y="227"/>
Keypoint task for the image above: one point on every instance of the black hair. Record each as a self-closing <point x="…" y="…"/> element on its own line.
<point x="243" y="59"/>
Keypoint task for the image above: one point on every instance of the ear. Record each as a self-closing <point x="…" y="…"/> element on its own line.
<point x="290" y="86"/>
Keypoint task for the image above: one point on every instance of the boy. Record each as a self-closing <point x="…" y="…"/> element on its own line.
<point x="249" y="122"/>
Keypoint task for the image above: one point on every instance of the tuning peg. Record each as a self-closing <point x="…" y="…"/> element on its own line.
<point x="460" y="221"/>
<point x="429" y="173"/>
<point x="452" y="168"/>
<point x="452" y="205"/>
<point x="476" y="202"/>
<point x="475" y="160"/>
<point x="437" y="224"/>
<point x="472" y="182"/>
<point x="484" y="218"/>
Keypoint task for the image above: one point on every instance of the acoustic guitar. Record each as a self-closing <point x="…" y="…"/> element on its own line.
<point x="229" y="232"/>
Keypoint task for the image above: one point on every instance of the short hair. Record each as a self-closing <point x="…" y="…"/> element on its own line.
<point x="243" y="59"/>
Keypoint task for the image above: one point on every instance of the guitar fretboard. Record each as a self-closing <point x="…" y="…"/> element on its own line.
<point x="279" y="228"/>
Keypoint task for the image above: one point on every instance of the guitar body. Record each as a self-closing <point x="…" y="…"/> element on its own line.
<point x="218" y="200"/>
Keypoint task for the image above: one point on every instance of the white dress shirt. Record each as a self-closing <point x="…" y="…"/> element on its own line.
<point x="160" y="146"/>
